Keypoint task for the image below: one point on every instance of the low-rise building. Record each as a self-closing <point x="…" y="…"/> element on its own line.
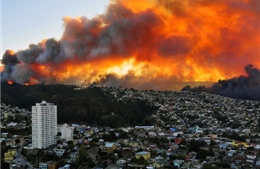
<point x="66" y="131"/>
<point x="145" y="154"/>
<point x="9" y="155"/>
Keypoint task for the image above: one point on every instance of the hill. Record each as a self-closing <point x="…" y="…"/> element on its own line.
<point x="90" y="105"/>
<point x="118" y="107"/>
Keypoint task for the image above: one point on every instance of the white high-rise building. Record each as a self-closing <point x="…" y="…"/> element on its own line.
<point x="44" y="125"/>
<point x="66" y="132"/>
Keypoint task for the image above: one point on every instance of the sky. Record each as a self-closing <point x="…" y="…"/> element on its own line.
<point x="28" y="21"/>
<point x="148" y="44"/>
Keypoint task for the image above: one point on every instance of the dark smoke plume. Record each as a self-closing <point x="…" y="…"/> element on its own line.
<point x="242" y="87"/>
<point x="9" y="60"/>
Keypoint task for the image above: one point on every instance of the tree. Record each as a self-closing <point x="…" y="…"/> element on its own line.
<point x="3" y="143"/>
<point x="225" y="165"/>
<point x="202" y="154"/>
<point x="81" y="157"/>
<point x="194" y="145"/>
<point x="163" y="154"/>
<point x="17" y="141"/>
<point x="141" y="160"/>
<point x="208" y="166"/>
<point x="212" y="143"/>
<point x="70" y="144"/>
<point x="58" y="135"/>
<point x="154" y="153"/>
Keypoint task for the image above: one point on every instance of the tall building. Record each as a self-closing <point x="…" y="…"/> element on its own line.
<point x="44" y="125"/>
<point x="66" y="132"/>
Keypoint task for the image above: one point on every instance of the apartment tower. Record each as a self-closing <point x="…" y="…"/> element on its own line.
<point x="44" y="125"/>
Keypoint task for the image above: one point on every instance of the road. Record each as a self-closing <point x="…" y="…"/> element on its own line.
<point x="20" y="159"/>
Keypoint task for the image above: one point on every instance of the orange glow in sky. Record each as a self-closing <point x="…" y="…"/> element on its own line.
<point x="149" y="44"/>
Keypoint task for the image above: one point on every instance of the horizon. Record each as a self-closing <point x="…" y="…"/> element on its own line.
<point x="178" y="87"/>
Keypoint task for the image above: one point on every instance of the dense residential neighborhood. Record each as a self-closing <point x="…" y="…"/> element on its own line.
<point x="189" y="131"/>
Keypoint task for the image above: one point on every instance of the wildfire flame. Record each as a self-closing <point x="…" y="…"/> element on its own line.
<point x="10" y="82"/>
<point x="148" y="44"/>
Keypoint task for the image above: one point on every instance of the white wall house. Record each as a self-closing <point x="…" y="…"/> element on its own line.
<point x="66" y="132"/>
<point x="44" y="125"/>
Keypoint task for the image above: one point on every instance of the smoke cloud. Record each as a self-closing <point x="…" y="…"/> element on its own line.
<point x="156" y="44"/>
<point x="243" y="87"/>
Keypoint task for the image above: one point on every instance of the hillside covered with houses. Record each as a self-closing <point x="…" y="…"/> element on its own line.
<point x="184" y="130"/>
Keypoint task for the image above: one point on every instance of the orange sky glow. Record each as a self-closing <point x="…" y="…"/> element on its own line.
<point x="148" y="44"/>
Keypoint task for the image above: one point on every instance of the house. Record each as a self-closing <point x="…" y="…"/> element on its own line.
<point x="177" y="163"/>
<point x="53" y="165"/>
<point x="4" y="134"/>
<point x="134" y="144"/>
<point x="59" y="152"/>
<point x="250" y="157"/>
<point x="195" y="164"/>
<point x="152" y="134"/>
<point x="73" y="156"/>
<point x="224" y="145"/>
<point x="17" y="166"/>
<point x="152" y="147"/>
<point x="126" y="151"/>
<point x="145" y="154"/>
<point x="192" y="155"/>
<point x="12" y="124"/>
<point x="256" y="146"/>
<point x="257" y="163"/>
<point x="174" y="148"/>
<point x="159" y="162"/>
<point x="10" y="142"/>
<point x="44" y="165"/>
<point x="239" y="158"/>
<point x="185" y="165"/>
<point x="178" y="140"/>
<point x="242" y="144"/>
<point x="177" y="133"/>
<point x="145" y="127"/>
<point x="109" y="147"/>
<point x="101" y="142"/>
<point x="121" y="162"/>
<point x="9" y="155"/>
<point x="67" y="166"/>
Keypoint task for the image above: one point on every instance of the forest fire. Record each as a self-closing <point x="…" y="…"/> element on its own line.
<point x="149" y="44"/>
<point x="10" y="82"/>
